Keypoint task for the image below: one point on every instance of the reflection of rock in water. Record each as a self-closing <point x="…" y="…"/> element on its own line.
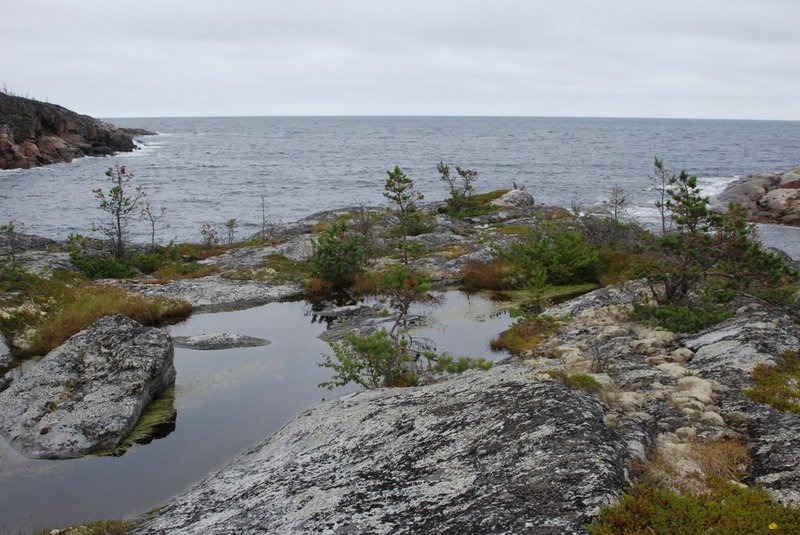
<point x="158" y="420"/>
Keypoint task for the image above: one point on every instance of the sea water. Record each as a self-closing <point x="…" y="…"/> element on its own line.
<point x="211" y="170"/>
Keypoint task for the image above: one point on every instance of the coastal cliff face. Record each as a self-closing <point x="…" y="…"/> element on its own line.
<point x="36" y="133"/>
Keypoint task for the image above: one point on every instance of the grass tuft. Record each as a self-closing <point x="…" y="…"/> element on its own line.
<point x="525" y="335"/>
<point x="778" y="386"/>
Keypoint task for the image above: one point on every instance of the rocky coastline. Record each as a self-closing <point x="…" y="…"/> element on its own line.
<point x="767" y="197"/>
<point x="513" y="449"/>
<point x="34" y="133"/>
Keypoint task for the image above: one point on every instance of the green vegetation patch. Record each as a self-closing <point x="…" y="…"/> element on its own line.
<point x="727" y="509"/>
<point x="490" y="196"/>
<point x="101" y="527"/>
<point x="680" y="318"/>
<point x="515" y="230"/>
<point x="525" y="335"/>
<point x="46" y="311"/>
<point x="778" y="386"/>
<point x="554" y="294"/>
<point x="158" y="414"/>
<point x="578" y="381"/>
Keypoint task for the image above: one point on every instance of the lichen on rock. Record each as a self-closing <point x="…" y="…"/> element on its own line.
<point x="86" y="395"/>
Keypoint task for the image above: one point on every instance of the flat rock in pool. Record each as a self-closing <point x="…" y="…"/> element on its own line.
<point x="213" y="341"/>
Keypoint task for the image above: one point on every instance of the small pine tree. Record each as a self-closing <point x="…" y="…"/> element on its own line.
<point x="403" y="196"/>
<point x="121" y="202"/>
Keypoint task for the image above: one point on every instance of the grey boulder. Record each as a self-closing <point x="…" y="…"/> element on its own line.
<point x="86" y="395"/>
<point x="483" y="452"/>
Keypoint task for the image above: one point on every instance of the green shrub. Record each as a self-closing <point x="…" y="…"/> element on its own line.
<point x="102" y="267"/>
<point x="728" y="509"/>
<point x="681" y="319"/>
<point x="554" y="258"/>
<point x="368" y="361"/>
<point x="338" y="256"/>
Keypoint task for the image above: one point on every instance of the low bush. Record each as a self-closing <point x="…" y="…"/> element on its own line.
<point x="552" y="258"/>
<point x="727" y="508"/>
<point x="338" y="256"/>
<point x="102" y="267"/>
<point x="448" y="364"/>
<point x="681" y="319"/>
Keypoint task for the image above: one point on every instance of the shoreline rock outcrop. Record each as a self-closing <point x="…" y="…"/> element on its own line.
<point x="768" y="197"/>
<point x="34" y="133"/>
<point x="86" y="395"/>
<point x="483" y="452"/>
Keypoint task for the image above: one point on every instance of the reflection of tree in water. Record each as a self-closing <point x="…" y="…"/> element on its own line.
<point x="157" y="421"/>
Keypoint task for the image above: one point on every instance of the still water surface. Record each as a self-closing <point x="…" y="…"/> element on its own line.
<point x="226" y="401"/>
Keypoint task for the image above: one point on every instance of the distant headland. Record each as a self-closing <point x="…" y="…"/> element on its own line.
<point x="34" y="133"/>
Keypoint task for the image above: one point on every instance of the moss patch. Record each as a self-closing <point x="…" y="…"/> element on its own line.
<point x="778" y="386"/>
<point x="525" y="335"/>
<point x="578" y="381"/>
<point x="490" y="196"/>
<point x="157" y="420"/>
<point x="102" y="527"/>
<point x="726" y="509"/>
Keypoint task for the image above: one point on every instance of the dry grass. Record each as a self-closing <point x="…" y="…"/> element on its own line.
<point x="619" y="266"/>
<point x="82" y="305"/>
<point x="492" y="276"/>
<point x="685" y="467"/>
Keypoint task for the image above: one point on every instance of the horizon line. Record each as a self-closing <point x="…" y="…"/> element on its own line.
<point x="447" y="116"/>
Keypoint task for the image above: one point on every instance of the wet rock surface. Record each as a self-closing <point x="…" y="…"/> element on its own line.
<point x="214" y="341"/>
<point x="483" y="452"/>
<point x="86" y="395"/>
<point x="216" y="293"/>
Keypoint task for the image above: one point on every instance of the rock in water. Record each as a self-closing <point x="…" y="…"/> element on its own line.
<point x="213" y="341"/>
<point x="482" y="452"/>
<point x="86" y="395"/>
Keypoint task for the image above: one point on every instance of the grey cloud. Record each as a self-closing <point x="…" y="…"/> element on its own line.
<point x="720" y="58"/>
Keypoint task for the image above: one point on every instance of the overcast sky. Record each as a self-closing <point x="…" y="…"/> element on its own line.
<point x="622" y="58"/>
